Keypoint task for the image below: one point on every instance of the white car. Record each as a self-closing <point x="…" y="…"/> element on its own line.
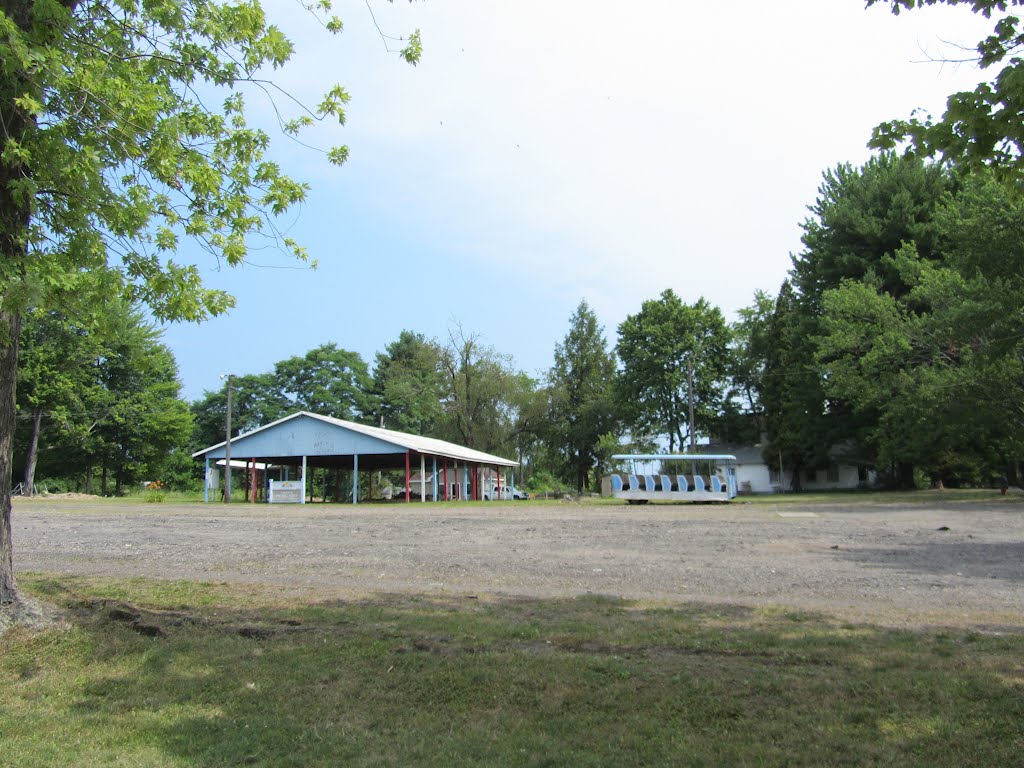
<point x="508" y="493"/>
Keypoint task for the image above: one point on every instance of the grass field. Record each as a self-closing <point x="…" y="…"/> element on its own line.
<point x="156" y="673"/>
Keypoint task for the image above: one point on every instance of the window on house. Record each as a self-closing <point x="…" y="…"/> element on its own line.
<point x="774" y="476"/>
<point x="811" y="475"/>
<point x="833" y="473"/>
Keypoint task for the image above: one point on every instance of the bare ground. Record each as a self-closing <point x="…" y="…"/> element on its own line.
<point x="938" y="563"/>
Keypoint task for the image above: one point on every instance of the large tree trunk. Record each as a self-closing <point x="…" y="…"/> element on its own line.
<point x="17" y="124"/>
<point x="33" y="453"/>
<point x="10" y="329"/>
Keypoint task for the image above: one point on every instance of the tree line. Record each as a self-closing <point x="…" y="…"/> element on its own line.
<point x="895" y="344"/>
<point x="99" y="405"/>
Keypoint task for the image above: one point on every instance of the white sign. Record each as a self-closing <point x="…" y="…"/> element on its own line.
<point x="286" y="491"/>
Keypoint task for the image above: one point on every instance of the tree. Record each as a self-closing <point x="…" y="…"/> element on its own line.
<point x="861" y="219"/>
<point x="976" y="303"/>
<point x="256" y="400"/>
<point x="327" y="380"/>
<point x="791" y="392"/>
<point x="582" y="406"/>
<point x="940" y="369"/>
<point x="667" y="349"/>
<point x="408" y="383"/>
<point x="110" y="154"/>
<point x="55" y="381"/>
<point x="478" y="412"/>
<point x="141" y="419"/>
<point x="864" y="214"/>
<point x="742" y="417"/>
<point x="108" y="392"/>
<point x="980" y="128"/>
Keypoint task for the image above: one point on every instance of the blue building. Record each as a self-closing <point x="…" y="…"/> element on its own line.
<point x="295" y="444"/>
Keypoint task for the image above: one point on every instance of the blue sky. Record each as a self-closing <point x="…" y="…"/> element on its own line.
<point x="546" y="152"/>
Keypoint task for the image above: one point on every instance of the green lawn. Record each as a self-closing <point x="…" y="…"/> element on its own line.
<point x="155" y="673"/>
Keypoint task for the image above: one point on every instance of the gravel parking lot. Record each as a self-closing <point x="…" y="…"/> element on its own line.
<point x="939" y="562"/>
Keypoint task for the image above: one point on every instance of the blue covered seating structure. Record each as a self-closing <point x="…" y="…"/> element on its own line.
<point x="713" y="478"/>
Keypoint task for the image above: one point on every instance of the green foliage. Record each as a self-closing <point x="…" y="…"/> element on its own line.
<point x="256" y="400"/>
<point x="105" y="392"/>
<point x="582" y="405"/>
<point x="481" y="393"/>
<point x="742" y="417"/>
<point x="409" y="384"/>
<point x="658" y="347"/>
<point x="791" y="391"/>
<point x="142" y="418"/>
<point x="864" y="214"/>
<point x="862" y="218"/>
<point x="56" y="383"/>
<point x="110" y="107"/>
<point x="938" y="368"/>
<point x="981" y="128"/>
<point x="327" y="380"/>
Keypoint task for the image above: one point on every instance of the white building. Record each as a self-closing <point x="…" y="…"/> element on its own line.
<point x="754" y="476"/>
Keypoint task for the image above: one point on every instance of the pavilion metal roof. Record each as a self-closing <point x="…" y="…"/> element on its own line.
<point x="401" y="440"/>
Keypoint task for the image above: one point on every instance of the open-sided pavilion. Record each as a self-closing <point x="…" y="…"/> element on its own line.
<point x="308" y="440"/>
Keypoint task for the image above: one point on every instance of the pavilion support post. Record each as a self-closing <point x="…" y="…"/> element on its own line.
<point x="423" y="478"/>
<point x="476" y="486"/>
<point x="303" y="479"/>
<point x="445" y="479"/>
<point x="206" y="480"/>
<point x="433" y="480"/>
<point x="408" y="479"/>
<point x="355" y="479"/>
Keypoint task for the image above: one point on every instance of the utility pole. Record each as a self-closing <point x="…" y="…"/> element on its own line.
<point x="689" y="397"/>
<point x="227" y="446"/>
